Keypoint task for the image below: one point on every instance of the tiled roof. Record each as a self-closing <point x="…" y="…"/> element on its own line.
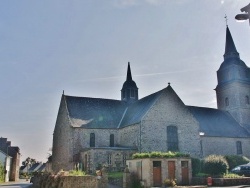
<point x="214" y="122"/>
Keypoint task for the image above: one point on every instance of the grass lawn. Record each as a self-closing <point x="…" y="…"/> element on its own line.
<point x="115" y="174"/>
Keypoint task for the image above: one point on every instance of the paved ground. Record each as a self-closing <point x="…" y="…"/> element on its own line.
<point x="19" y="184"/>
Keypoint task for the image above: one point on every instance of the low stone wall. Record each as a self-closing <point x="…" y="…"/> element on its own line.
<point x="116" y="181"/>
<point x="60" y="181"/>
<point x="222" y="181"/>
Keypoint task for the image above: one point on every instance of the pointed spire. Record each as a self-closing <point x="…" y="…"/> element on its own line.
<point x="230" y="49"/>
<point x="129" y="75"/>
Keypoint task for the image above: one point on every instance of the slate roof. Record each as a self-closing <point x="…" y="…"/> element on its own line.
<point x="214" y="122"/>
<point x="94" y="112"/>
<point x="138" y="109"/>
<point x="34" y="166"/>
<point x="22" y="168"/>
<point x="111" y="114"/>
<point x="41" y="168"/>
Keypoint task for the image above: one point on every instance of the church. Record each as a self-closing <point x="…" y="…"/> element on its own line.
<point x="90" y="132"/>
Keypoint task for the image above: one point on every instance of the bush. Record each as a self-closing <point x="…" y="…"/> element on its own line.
<point x="76" y="173"/>
<point x="135" y="181"/>
<point x="235" y="160"/>
<point x="196" y="166"/>
<point x="202" y="175"/>
<point x="2" y="170"/>
<point x="215" y="165"/>
<point x="170" y="182"/>
<point x="232" y="176"/>
<point x="154" y="154"/>
<point x="115" y="175"/>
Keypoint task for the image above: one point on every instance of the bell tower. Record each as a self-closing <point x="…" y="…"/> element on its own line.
<point x="129" y="92"/>
<point x="233" y="89"/>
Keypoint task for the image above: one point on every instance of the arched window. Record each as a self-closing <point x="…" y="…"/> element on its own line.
<point x="112" y="140"/>
<point x="239" y="147"/>
<point x="172" y="138"/>
<point x="226" y="101"/>
<point x="92" y="140"/>
<point x="247" y="99"/>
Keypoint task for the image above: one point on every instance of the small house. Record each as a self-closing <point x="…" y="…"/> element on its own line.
<point x="153" y="172"/>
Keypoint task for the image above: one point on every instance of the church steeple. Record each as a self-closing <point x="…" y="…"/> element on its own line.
<point x="129" y="75"/>
<point x="230" y="49"/>
<point x="129" y="92"/>
<point x="233" y="89"/>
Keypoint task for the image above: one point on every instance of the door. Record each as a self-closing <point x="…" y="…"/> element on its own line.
<point x="157" y="173"/>
<point x="171" y="170"/>
<point x="184" y="172"/>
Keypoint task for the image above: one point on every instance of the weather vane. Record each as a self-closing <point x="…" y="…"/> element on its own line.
<point x="226" y="19"/>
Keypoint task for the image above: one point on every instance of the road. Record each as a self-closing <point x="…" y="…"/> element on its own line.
<point x="19" y="184"/>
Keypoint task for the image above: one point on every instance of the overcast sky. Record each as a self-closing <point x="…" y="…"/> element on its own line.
<point x="83" y="47"/>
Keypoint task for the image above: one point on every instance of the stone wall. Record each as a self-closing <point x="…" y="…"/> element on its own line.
<point x="129" y="136"/>
<point x="62" y="150"/>
<point x="81" y="138"/>
<point x="60" y="181"/>
<point x="222" y="181"/>
<point x="113" y="158"/>
<point x="237" y="106"/>
<point x="170" y="110"/>
<point x="225" y="146"/>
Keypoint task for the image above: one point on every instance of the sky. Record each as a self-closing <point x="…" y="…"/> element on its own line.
<point x="83" y="47"/>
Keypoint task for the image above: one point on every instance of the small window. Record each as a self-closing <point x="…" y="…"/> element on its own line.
<point x="156" y="163"/>
<point x="226" y="101"/>
<point x="92" y="140"/>
<point x="247" y="99"/>
<point x="239" y="147"/>
<point x="124" y="158"/>
<point x="109" y="159"/>
<point x="112" y="140"/>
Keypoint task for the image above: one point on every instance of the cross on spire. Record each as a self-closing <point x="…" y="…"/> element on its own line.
<point x="226" y="19"/>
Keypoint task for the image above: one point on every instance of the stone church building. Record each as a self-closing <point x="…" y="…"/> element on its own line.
<point x="90" y="132"/>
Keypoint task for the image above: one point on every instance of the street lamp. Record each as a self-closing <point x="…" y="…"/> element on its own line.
<point x="243" y="17"/>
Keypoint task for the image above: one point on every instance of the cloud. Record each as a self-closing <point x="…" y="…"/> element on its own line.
<point x="140" y="75"/>
<point x="125" y="3"/>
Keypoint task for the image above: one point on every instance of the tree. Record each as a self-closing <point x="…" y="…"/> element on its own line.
<point x="2" y="174"/>
<point x="29" y="161"/>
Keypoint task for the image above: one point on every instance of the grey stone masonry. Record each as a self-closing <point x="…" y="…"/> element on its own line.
<point x="169" y="110"/>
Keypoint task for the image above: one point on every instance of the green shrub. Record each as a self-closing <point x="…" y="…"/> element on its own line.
<point x="196" y="166"/>
<point x="115" y="174"/>
<point x="202" y="175"/>
<point x="2" y="170"/>
<point x="232" y="176"/>
<point x="135" y="181"/>
<point x="235" y="160"/>
<point x="154" y="154"/>
<point x="170" y="182"/>
<point x="76" y="173"/>
<point x="215" y="165"/>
